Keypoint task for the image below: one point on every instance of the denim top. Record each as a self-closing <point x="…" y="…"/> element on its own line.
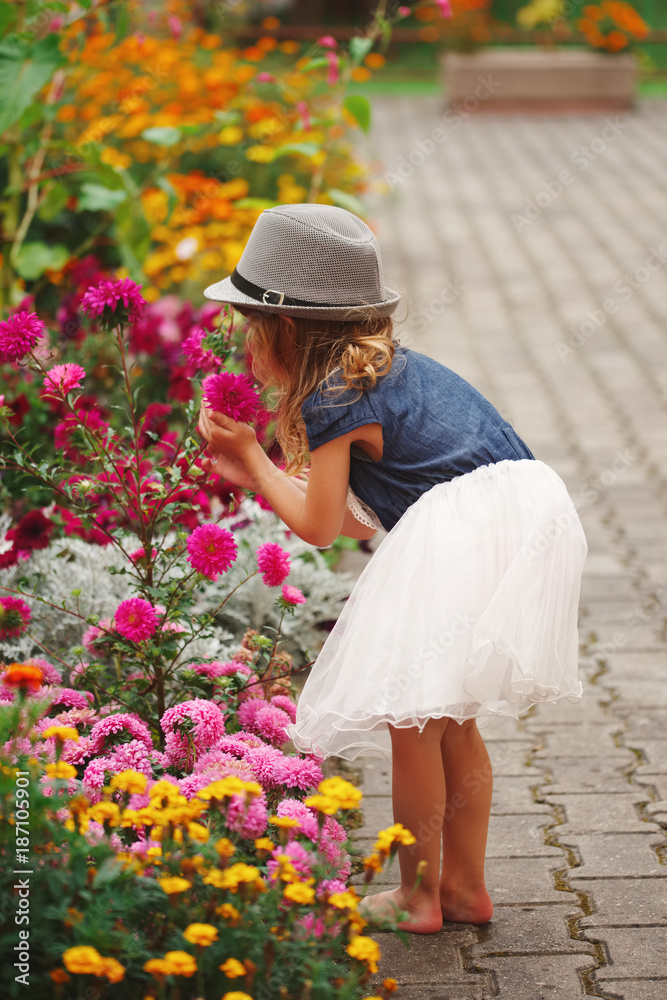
<point x="435" y="426"/>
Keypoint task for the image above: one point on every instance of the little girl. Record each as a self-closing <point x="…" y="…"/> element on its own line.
<point x="468" y="608"/>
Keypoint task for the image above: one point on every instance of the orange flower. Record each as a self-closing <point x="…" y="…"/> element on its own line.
<point x="615" y="41"/>
<point x="20" y="675"/>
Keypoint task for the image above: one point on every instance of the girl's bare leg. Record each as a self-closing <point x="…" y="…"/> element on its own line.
<point x="463" y="893"/>
<point x="419" y="798"/>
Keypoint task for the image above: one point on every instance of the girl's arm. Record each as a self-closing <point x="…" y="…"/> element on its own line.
<point x="316" y="511"/>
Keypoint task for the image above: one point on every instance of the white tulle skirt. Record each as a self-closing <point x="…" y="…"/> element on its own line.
<point x="468" y="609"/>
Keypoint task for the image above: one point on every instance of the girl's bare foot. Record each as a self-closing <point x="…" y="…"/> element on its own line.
<point x="466" y="907"/>
<point x="425" y="916"/>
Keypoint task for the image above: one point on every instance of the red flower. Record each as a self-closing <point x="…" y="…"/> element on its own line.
<point x="22" y="675"/>
<point x="33" y="531"/>
<point x="114" y="302"/>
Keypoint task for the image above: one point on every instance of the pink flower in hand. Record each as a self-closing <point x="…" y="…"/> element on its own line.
<point x="232" y="395"/>
<point x="273" y="563"/>
<point x="211" y="550"/>
<point x="61" y="379"/>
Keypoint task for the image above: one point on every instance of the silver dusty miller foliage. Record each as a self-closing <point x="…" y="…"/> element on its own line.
<point x="70" y="564"/>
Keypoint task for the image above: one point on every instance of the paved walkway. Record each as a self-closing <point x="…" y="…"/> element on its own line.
<point x="534" y="253"/>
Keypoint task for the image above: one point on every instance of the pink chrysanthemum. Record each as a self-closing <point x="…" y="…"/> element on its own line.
<point x="285" y="702"/>
<point x="135" y="619"/>
<point x="292" y="595"/>
<point x="200" y="357"/>
<point x="249" y="819"/>
<point x="211" y="550"/>
<point x="105" y="732"/>
<point x="240" y="743"/>
<point x="15" y="616"/>
<point x="95" y="634"/>
<point x="61" y="379"/>
<point x="270" y="723"/>
<point x="264" y="760"/>
<point x="18" y="335"/>
<point x="77" y="752"/>
<point x="273" y="563"/>
<point x="305" y="817"/>
<point x="248" y="710"/>
<point x="131" y="756"/>
<point x="232" y="395"/>
<point x="139" y="554"/>
<point x="69" y="698"/>
<point x="191" y="728"/>
<point x="114" y="302"/>
<point x="298" y="772"/>
<point x="301" y="858"/>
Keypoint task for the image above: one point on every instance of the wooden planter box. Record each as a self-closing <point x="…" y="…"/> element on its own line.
<point x="525" y="79"/>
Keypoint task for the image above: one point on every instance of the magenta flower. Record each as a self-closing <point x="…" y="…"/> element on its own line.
<point x="232" y="395"/>
<point x="292" y="595"/>
<point x="135" y="619"/>
<point x="114" y="302"/>
<point x="18" y="335"/>
<point x="285" y="702"/>
<point x="66" y="697"/>
<point x="270" y="724"/>
<point x="327" y="42"/>
<point x="334" y="69"/>
<point x="14" y="617"/>
<point x="118" y="725"/>
<point x="200" y="357"/>
<point x="298" y="772"/>
<point x="211" y="550"/>
<point x="49" y="672"/>
<point x="444" y="7"/>
<point x="404" y="11"/>
<point x="61" y="379"/>
<point x="140" y="554"/>
<point x="249" y="819"/>
<point x="273" y="563"/>
<point x="265" y="78"/>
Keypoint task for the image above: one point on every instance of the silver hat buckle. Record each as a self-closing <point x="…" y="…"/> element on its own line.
<point x="273" y="302"/>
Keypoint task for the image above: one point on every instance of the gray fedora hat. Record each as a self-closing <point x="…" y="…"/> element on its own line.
<point x="315" y="261"/>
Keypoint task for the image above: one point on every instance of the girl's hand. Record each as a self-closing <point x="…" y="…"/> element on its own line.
<point x="228" y="469"/>
<point x="227" y="437"/>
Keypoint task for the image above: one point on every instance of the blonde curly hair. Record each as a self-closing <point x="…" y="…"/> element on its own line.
<point x="292" y="356"/>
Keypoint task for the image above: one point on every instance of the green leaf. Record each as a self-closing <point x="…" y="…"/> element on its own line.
<point x="53" y="203"/>
<point x="307" y="148"/>
<point x="346" y="200"/>
<point x="317" y="63"/>
<point x="7" y="16"/>
<point x="97" y="198"/>
<point x="360" y="47"/>
<point x="162" y="135"/>
<point x="24" y="70"/>
<point x="360" y="110"/>
<point x="36" y="258"/>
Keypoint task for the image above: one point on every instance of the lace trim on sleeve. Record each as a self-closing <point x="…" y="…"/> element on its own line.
<point x="362" y="512"/>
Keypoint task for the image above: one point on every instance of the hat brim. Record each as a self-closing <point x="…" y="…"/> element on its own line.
<point x="225" y="291"/>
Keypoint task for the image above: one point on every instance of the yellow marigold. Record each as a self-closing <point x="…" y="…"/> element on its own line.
<point x="232" y="968"/>
<point x="374" y="60"/>
<point x="232" y="877"/>
<point x="103" y="812"/>
<point x="260" y="154"/>
<point x="360" y="74"/>
<point x="157" y="967"/>
<point x="61" y="733"/>
<point x="197" y="832"/>
<point x="228" y="912"/>
<point x="181" y="963"/>
<point x="364" y="949"/>
<point x="390" y="985"/>
<point x="129" y="781"/>
<point x="283" y="822"/>
<point x="229" y="786"/>
<point x="237" y="995"/>
<point x="112" y="970"/>
<point x="60" y="769"/>
<point x="299" y="892"/>
<point x="86" y="960"/>
<point x="201" y="934"/>
<point x="373" y="863"/>
<point x="224" y="847"/>
<point x="289" y="47"/>
<point x="264" y="844"/>
<point x="173" y="883"/>
<point x="344" y="791"/>
<point x="230" y="135"/>
<point x="396" y="834"/>
<point x="286" y="870"/>
<point x="164" y="789"/>
<point x="114" y="158"/>
<point x="347" y="900"/>
<point x="323" y="803"/>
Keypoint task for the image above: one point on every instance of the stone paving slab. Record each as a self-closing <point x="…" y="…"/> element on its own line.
<point x="637" y="952"/>
<point x="518" y="836"/>
<point x="625" y="901"/>
<point x="540" y="929"/>
<point x="610" y="855"/>
<point x="598" y="813"/>
<point x="539" y="977"/>
<point x="579" y="776"/>
<point x="636" y="989"/>
<point x="525" y="880"/>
